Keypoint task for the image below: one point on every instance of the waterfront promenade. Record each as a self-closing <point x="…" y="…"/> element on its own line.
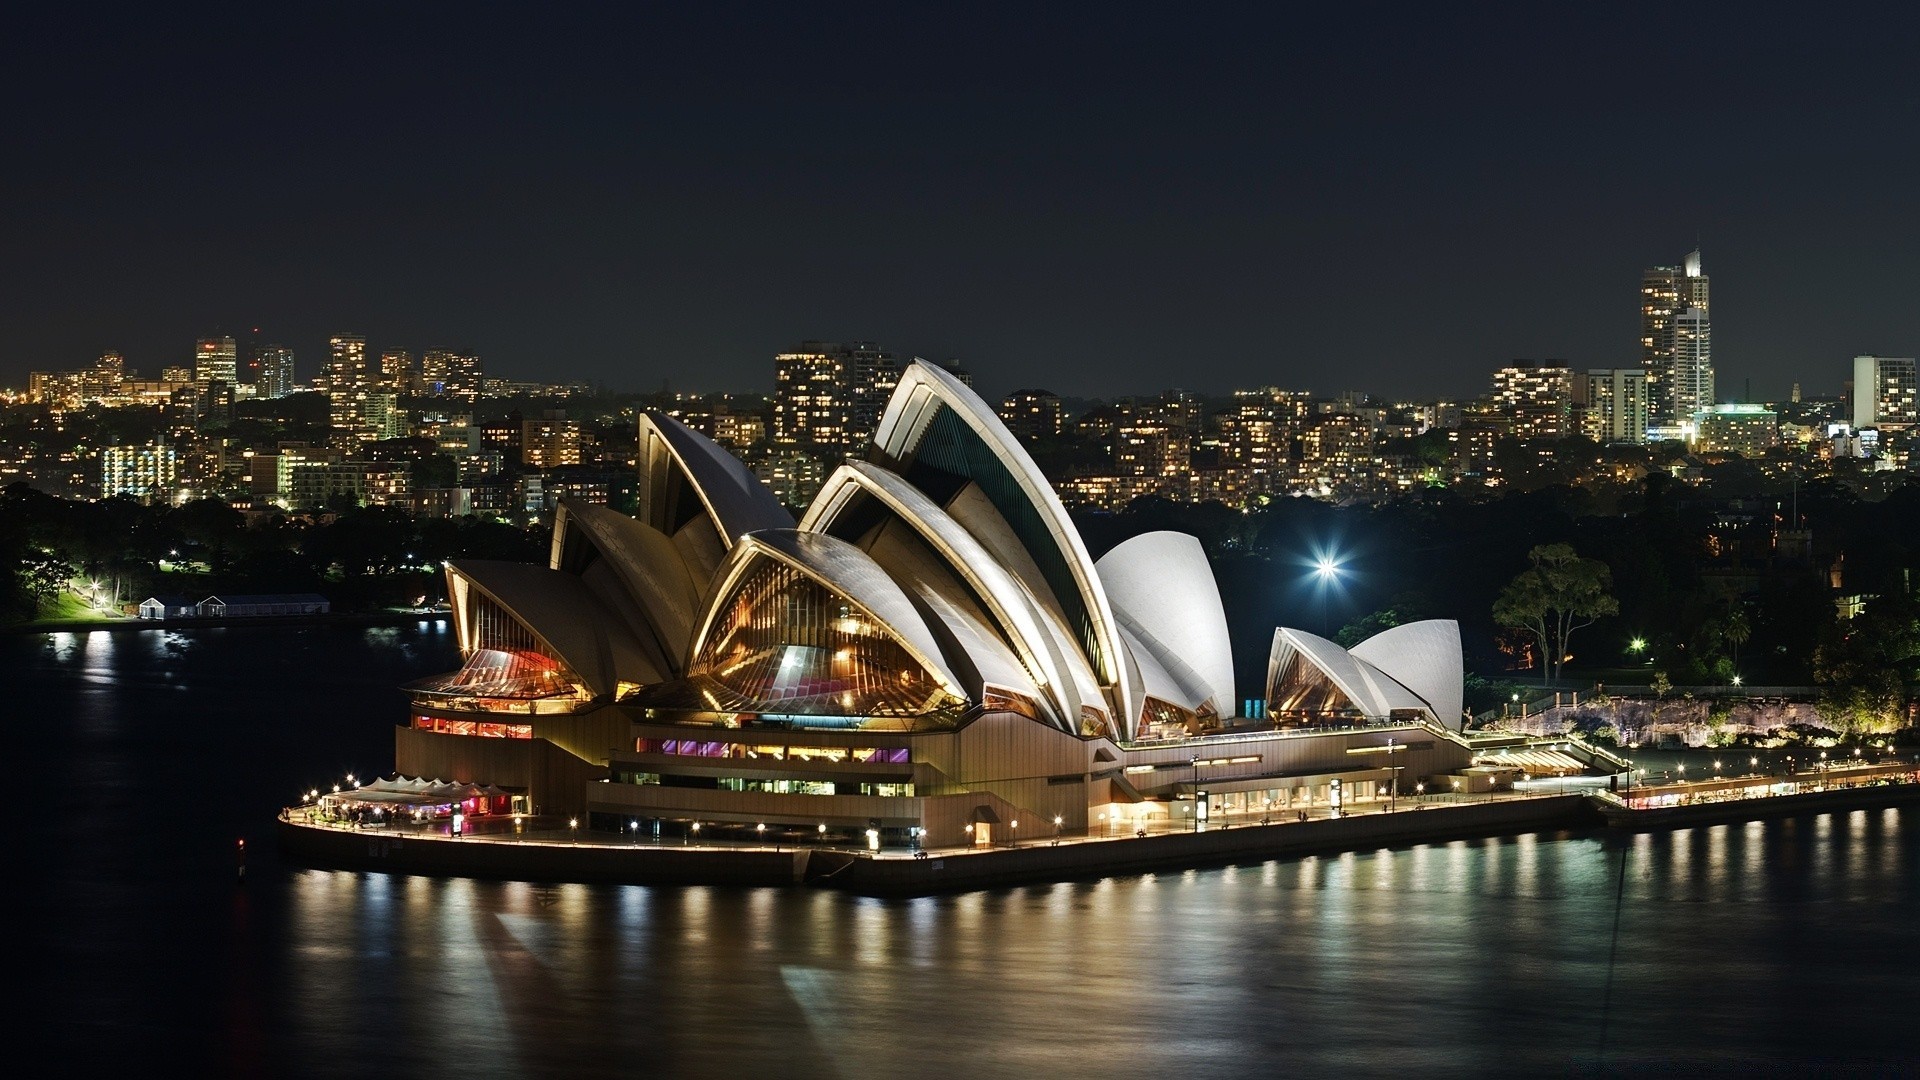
<point x="554" y="850"/>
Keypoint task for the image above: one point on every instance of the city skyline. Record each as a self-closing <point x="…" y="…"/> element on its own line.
<point x="652" y="198"/>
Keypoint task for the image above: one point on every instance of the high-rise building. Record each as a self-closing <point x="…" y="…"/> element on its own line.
<point x="1690" y="376"/>
<point x="215" y="359"/>
<point x="827" y="395"/>
<point x="1536" y="397"/>
<point x="811" y="403"/>
<point x="1152" y="448"/>
<point x="348" y="383"/>
<point x="872" y="375"/>
<point x="396" y="371"/>
<point x="1258" y="429"/>
<point x="1031" y="414"/>
<point x="450" y="374"/>
<point x="550" y="441"/>
<point x="1884" y="392"/>
<point x="274" y="378"/>
<point x="1666" y="294"/>
<point x="1612" y="404"/>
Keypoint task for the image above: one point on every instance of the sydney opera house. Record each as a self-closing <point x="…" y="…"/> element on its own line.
<point x="929" y="654"/>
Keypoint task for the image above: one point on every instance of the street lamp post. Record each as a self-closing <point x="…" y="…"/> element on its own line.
<point x="1193" y="781"/>
<point x="1392" y="779"/>
<point x="1013" y="832"/>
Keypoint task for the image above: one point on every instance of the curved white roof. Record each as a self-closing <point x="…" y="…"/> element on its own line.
<point x="1371" y="690"/>
<point x="924" y="393"/>
<point x="1053" y="661"/>
<point x="649" y="568"/>
<point x="562" y="612"/>
<point x="1424" y="657"/>
<point x="983" y="656"/>
<point x="1163" y="592"/>
<point x="733" y="497"/>
<point x="849" y="573"/>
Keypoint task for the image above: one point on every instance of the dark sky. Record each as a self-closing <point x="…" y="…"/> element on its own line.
<point x="1093" y="199"/>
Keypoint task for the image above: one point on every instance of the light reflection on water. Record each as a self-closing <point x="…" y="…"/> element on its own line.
<point x="1739" y="947"/>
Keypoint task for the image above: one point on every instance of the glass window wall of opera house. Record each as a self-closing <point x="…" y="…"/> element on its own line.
<point x="930" y="653"/>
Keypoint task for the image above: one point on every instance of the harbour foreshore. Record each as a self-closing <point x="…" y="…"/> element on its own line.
<point x="899" y="874"/>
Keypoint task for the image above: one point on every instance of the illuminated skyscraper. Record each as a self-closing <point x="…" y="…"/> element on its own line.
<point x="215" y="359"/>
<point x="348" y="383"/>
<point x="275" y="376"/>
<point x="1666" y="294"/>
<point x="1884" y="392"/>
<point x="1690" y="374"/>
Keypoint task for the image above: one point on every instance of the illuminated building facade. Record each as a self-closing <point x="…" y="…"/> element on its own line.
<point x="149" y="473"/>
<point x="1537" y="399"/>
<point x="1884" y="393"/>
<point x="1747" y="430"/>
<point x="275" y="377"/>
<point x="215" y="360"/>
<point x="1032" y="414"/>
<point x="1612" y="404"/>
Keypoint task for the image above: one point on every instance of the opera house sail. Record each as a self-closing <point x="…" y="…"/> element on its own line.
<point x="929" y="650"/>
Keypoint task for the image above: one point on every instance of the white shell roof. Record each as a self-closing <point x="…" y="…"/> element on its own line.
<point x="1424" y="657"/>
<point x="562" y="612"/>
<point x="650" y="569"/>
<point x="1372" y="691"/>
<point x="1164" y="594"/>
<point x="1054" y="659"/>
<point x="735" y="499"/>
<point x="923" y="390"/>
<point x="850" y="573"/>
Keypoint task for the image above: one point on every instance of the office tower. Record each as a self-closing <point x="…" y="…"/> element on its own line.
<point x="1883" y="392"/>
<point x="1666" y="293"/>
<point x="1690" y="374"/>
<point x="1612" y="404"/>
<point x="215" y="359"/>
<point x="396" y="371"/>
<point x="1031" y="414"/>
<point x="274" y="376"/>
<point x="1537" y="398"/>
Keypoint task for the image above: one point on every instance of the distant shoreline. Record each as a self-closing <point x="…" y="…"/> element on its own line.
<point x="364" y="618"/>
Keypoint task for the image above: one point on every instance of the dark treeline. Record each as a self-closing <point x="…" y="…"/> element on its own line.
<point x="359" y="558"/>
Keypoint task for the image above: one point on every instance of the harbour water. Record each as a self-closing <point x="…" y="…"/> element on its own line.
<point x="1778" y="946"/>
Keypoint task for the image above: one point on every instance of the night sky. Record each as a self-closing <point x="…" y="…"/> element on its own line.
<point x="1094" y="200"/>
